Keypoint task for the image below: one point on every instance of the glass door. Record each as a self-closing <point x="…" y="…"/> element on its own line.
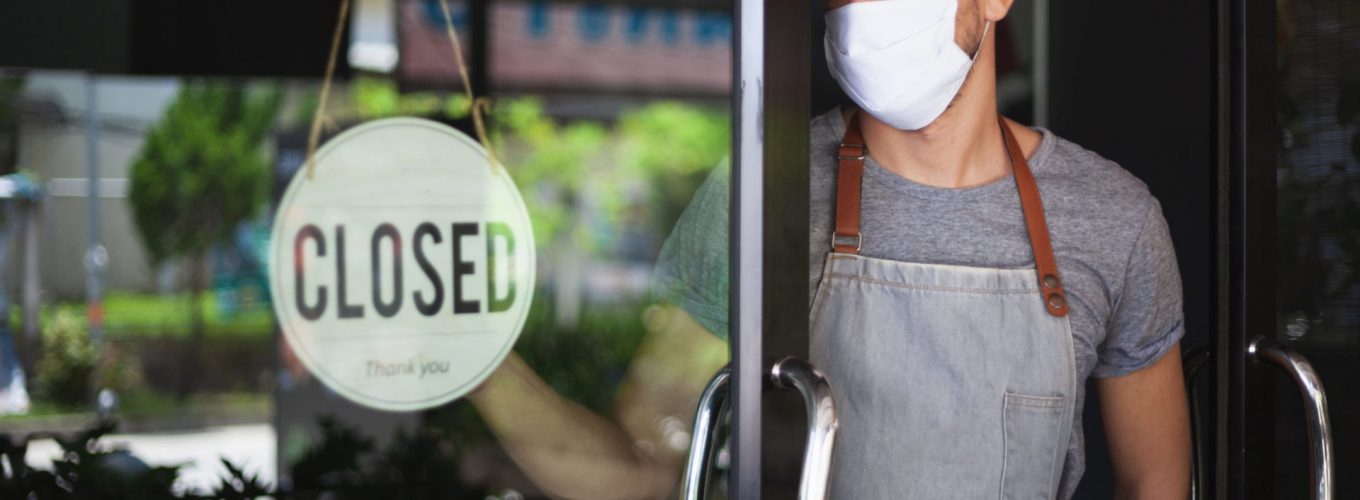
<point x="658" y="158"/>
<point x="614" y="120"/>
<point x="1295" y="163"/>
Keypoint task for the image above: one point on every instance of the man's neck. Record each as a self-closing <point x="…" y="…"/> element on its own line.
<point x="961" y="148"/>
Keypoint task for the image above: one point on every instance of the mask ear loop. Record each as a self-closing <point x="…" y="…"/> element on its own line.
<point x="986" y="25"/>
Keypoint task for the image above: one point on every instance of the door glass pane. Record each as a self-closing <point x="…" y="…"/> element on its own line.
<point x="155" y="297"/>
<point x="1318" y="224"/>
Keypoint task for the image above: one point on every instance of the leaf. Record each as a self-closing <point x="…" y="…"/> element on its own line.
<point x="238" y="484"/>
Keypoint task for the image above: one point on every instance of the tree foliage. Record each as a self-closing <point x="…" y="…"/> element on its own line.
<point x="663" y="149"/>
<point x="201" y="171"/>
<point x="674" y="146"/>
<point x="652" y="156"/>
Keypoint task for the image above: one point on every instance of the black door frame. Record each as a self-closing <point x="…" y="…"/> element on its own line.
<point x="1245" y="451"/>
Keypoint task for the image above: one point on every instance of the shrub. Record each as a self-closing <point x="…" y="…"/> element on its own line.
<point x="67" y="361"/>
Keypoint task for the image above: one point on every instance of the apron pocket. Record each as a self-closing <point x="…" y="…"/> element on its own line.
<point x="1031" y="435"/>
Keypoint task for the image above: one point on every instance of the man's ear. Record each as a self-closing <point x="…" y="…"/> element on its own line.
<point x="996" y="10"/>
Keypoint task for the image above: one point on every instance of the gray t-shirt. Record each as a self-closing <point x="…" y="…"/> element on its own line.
<point x="1109" y="237"/>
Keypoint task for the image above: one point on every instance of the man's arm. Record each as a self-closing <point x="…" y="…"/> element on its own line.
<point x="1148" y="428"/>
<point x="571" y="452"/>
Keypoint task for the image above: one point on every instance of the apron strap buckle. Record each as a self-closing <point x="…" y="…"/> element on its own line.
<point x="839" y="242"/>
<point x="852" y="152"/>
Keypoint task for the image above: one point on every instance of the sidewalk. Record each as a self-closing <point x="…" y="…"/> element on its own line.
<point x="250" y="446"/>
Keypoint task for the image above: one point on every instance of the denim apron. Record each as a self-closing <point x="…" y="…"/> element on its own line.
<point x="949" y="381"/>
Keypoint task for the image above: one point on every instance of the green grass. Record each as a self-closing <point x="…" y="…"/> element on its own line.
<point x="147" y="404"/>
<point x="152" y="315"/>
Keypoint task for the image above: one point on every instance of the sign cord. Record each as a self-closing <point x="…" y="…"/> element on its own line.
<point x="477" y="106"/>
<point x="326" y="86"/>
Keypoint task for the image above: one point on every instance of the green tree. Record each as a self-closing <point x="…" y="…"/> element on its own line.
<point x="200" y="173"/>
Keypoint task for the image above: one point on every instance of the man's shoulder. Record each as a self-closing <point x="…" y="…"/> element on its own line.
<point x="1069" y="159"/>
<point x="827" y="127"/>
<point x="1079" y="182"/>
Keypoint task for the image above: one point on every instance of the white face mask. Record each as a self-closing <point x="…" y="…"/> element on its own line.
<point x="897" y="58"/>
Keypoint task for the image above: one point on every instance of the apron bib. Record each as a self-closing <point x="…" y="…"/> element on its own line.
<point x="950" y="381"/>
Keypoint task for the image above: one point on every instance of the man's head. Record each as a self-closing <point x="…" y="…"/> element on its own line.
<point x="893" y="57"/>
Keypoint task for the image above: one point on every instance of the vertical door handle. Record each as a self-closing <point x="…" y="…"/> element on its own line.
<point x="704" y="440"/>
<point x="791" y="373"/>
<point x="1195" y="361"/>
<point x="788" y="373"/>
<point x="1314" y="407"/>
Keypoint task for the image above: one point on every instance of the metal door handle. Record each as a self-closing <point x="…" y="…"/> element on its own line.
<point x="787" y="373"/>
<point x="791" y="373"/>
<point x="1195" y="360"/>
<point x="704" y="440"/>
<point x="1314" y="407"/>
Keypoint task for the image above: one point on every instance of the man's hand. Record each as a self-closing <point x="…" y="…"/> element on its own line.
<point x="1147" y="425"/>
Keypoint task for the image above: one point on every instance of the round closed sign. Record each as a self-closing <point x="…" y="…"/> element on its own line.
<point x="402" y="271"/>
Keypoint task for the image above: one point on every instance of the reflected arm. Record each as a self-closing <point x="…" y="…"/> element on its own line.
<point x="571" y="452"/>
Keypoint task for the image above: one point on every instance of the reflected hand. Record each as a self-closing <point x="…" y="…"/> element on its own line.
<point x="572" y="452"/>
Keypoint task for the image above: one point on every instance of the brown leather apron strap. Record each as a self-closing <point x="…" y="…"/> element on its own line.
<point x="851" y="154"/>
<point x="847" y="238"/>
<point x="1045" y="265"/>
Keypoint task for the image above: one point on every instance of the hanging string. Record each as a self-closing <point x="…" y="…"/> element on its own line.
<point x="326" y="86"/>
<point x="477" y="106"/>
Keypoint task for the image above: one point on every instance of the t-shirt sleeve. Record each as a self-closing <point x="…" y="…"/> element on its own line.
<point x="692" y="270"/>
<point x="1147" y="318"/>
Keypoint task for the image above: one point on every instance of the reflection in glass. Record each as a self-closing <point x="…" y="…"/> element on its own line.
<point x="191" y="368"/>
<point x="1318" y="224"/>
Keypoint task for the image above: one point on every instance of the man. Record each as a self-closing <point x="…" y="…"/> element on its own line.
<point x="969" y="275"/>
